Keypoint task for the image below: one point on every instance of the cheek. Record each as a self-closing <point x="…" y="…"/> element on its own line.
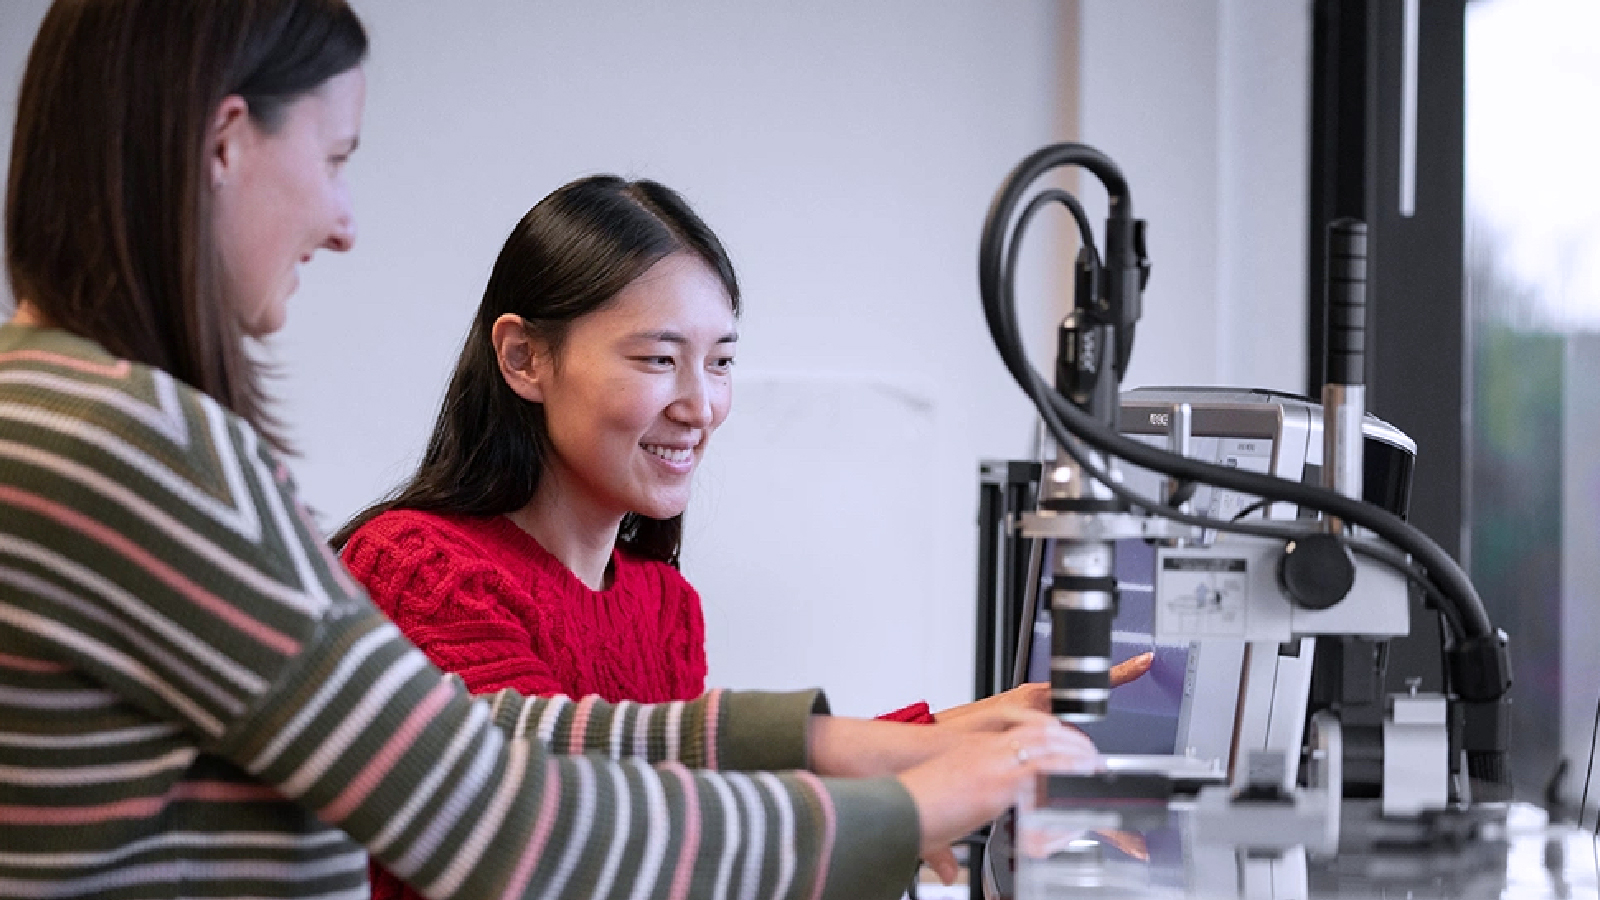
<point x="629" y="409"/>
<point x="612" y="418"/>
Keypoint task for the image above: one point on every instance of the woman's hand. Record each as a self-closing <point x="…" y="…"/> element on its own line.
<point x="1036" y="695"/>
<point x="981" y="777"/>
<point x="960" y="776"/>
<point x="1129" y="669"/>
<point x="843" y="747"/>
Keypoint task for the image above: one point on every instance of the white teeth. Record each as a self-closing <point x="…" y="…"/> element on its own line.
<point x="669" y="454"/>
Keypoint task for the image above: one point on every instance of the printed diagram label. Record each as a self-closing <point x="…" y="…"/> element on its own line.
<point x="1202" y="596"/>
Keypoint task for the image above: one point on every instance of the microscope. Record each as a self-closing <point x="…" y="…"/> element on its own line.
<point x="1271" y="559"/>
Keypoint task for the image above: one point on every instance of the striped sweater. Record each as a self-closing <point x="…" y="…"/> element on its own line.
<point x="196" y="701"/>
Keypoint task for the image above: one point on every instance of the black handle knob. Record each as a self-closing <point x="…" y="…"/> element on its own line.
<point x="1317" y="571"/>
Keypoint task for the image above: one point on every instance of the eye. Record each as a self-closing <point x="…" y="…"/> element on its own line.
<point x="722" y="363"/>
<point x="664" y="362"/>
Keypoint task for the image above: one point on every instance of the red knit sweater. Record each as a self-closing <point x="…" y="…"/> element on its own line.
<point x="483" y="599"/>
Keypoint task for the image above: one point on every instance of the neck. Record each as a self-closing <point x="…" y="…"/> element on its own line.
<point x="582" y="539"/>
<point x="26" y="314"/>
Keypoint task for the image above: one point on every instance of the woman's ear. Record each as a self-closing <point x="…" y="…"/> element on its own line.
<point x="523" y="362"/>
<point x="226" y="140"/>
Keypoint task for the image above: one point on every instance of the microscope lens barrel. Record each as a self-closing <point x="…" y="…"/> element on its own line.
<point x="1080" y="646"/>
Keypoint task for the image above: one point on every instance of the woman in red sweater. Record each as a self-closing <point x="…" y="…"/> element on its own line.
<point x="536" y="546"/>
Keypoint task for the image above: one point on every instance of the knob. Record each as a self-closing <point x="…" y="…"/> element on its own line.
<point x="1316" y="571"/>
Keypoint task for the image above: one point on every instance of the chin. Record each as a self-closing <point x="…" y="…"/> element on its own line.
<point x="662" y="511"/>
<point x="268" y="324"/>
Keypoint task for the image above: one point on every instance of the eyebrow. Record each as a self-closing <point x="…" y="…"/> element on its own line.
<point x="677" y="337"/>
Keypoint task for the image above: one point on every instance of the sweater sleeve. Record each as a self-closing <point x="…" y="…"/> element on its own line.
<point x="915" y="714"/>
<point x="456" y="606"/>
<point x="176" y="529"/>
<point x="590" y="820"/>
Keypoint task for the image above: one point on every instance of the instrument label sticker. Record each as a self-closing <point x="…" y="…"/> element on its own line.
<point x="1203" y="596"/>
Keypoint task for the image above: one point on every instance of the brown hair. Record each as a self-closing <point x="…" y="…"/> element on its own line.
<point x="107" y="214"/>
<point x="569" y="256"/>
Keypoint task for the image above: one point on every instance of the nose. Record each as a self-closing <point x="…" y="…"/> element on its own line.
<point x="693" y="406"/>
<point x="343" y="235"/>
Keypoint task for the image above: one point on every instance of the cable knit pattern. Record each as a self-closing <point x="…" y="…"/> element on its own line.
<point x="483" y="599"/>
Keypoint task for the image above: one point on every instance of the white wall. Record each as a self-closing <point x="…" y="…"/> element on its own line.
<point x="846" y="152"/>
<point x="1205" y="105"/>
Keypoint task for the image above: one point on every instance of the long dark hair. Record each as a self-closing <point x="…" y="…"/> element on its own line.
<point x="569" y="256"/>
<point x="107" y="220"/>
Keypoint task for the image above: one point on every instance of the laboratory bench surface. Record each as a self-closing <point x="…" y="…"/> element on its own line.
<point x="1512" y="852"/>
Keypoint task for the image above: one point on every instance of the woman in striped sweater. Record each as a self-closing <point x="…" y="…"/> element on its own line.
<point x="195" y="700"/>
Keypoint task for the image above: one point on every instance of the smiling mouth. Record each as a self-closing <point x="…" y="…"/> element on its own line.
<point x="670" y="454"/>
